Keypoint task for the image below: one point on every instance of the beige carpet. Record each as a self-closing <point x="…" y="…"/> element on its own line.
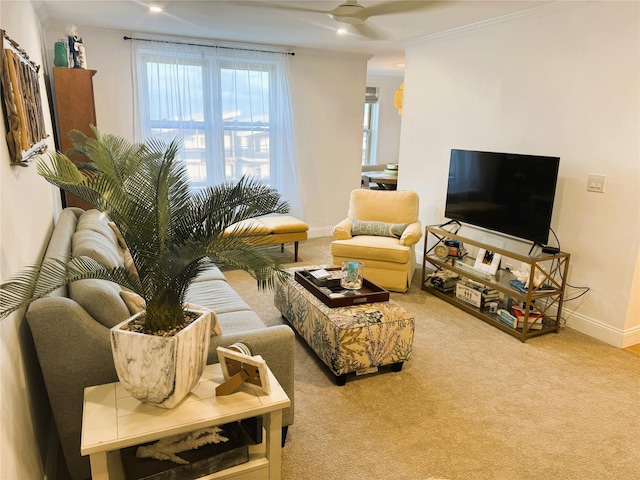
<point x="473" y="403"/>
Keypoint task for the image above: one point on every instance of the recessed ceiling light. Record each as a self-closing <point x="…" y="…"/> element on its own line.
<point x="342" y="31"/>
<point x="155" y="9"/>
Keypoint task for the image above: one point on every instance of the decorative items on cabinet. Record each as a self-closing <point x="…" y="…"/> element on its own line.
<point x="76" y="48"/>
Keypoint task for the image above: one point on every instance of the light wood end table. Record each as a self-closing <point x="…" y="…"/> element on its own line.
<point x="113" y="420"/>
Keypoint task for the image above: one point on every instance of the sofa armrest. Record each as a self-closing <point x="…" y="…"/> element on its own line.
<point x="342" y="231"/>
<point x="412" y="234"/>
<point x="276" y="346"/>
<point x="74" y="352"/>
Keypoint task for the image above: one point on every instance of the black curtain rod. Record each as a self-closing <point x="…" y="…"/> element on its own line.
<point x="205" y="45"/>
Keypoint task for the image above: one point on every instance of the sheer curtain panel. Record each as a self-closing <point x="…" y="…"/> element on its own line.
<point x="230" y="106"/>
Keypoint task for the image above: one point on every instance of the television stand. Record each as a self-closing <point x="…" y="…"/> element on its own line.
<point x="456" y="281"/>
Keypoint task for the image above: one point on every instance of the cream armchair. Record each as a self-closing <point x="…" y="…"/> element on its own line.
<point x="381" y="230"/>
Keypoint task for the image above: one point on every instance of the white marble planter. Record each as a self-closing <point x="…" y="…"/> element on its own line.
<point x="157" y="370"/>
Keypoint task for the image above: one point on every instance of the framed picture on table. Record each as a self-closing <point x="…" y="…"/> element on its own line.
<point x="487" y="261"/>
<point x="251" y="369"/>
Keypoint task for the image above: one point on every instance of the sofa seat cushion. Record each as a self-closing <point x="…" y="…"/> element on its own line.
<point x="217" y="296"/>
<point x="211" y="273"/>
<point x="101" y="299"/>
<point x="240" y="321"/>
<point x="365" y="247"/>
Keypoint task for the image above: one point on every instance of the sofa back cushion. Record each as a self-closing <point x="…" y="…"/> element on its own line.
<point x="94" y="238"/>
<point x="59" y="246"/>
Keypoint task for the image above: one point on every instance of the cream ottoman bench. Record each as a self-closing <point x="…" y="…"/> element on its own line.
<point x="356" y="339"/>
<point x="274" y="230"/>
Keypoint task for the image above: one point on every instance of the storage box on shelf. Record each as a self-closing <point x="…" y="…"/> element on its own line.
<point x="455" y="280"/>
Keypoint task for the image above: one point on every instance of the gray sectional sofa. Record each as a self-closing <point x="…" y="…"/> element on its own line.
<point x="70" y="328"/>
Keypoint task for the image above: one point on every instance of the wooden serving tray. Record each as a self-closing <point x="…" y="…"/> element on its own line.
<point x="369" y="293"/>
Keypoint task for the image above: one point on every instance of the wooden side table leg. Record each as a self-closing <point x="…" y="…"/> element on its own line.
<point x="273" y="427"/>
<point x="99" y="466"/>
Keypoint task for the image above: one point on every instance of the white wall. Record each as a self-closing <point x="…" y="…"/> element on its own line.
<point x="389" y="122"/>
<point x="27" y="206"/>
<point x="562" y="80"/>
<point x="327" y="91"/>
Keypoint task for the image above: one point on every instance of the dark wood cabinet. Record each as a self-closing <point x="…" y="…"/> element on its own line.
<point x="74" y="110"/>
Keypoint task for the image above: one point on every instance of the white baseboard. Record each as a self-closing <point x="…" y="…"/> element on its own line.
<point x="601" y="331"/>
<point x="316" y="232"/>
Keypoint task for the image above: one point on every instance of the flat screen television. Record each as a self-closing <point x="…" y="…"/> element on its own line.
<point x="508" y="193"/>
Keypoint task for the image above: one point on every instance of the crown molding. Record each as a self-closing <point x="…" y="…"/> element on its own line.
<point x="463" y="30"/>
<point x="41" y="13"/>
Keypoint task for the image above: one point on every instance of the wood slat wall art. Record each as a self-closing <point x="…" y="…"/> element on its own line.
<point x="22" y="102"/>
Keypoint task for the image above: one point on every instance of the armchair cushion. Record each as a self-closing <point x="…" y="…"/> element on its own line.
<point x="380" y="229"/>
<point x="366" y="247"/>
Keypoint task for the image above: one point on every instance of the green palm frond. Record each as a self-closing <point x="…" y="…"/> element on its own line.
<point x="172" y="233"/>
<point x="38" y="281"/>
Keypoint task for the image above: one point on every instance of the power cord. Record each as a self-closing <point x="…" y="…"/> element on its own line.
<point x="584" y="289"/>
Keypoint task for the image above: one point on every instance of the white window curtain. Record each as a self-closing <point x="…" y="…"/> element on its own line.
<point x="230" y="106"/>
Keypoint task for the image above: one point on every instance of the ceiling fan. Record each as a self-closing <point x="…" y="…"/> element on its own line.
<point x="349" y="12"/>
<point x="353" y="13"/>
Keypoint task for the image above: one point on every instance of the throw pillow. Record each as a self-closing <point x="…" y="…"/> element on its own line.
<point x="378" y="229"/>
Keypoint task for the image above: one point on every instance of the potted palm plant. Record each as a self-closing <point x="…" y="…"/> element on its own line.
<point x="173" y="234"/>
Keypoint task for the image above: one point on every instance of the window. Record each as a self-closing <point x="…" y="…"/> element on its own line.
<point x="229" y="107"/>
<point x="369" y="138"/>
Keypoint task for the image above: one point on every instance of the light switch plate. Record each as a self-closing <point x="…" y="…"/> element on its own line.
<point x="596" y="183"/>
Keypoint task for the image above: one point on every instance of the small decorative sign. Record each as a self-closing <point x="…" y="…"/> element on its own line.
<point x="469" y="295"/>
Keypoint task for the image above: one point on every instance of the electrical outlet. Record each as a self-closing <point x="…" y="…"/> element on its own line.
<point x="596" y="183"/>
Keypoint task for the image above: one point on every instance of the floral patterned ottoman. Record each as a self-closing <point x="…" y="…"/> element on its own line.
<point x="348" y="339"/>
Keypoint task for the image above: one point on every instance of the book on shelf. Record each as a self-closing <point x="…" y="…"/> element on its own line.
<point x="487" y="300"/>
<point x="535" y="319"/>
<point x="505" y="317"/>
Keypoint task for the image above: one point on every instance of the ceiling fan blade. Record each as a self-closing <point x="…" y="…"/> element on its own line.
<point x="368" y="31"/>
<point x="399" y="6"/>
<point x="276" y="6"/>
